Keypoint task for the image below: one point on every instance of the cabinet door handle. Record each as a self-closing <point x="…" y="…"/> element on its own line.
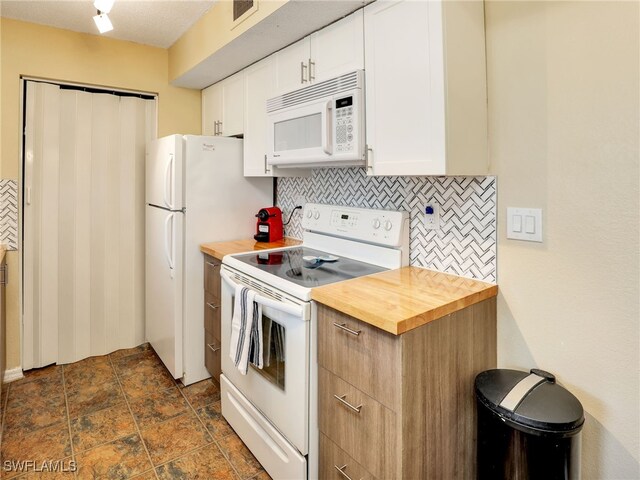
<point x="215" y="128"/>
<point x="303" y="68"/>
<point x="213" y="349"/>
<point x="367" y="157"/>
<point x="343" y="326"/>
<point x="342" y="471"/>
<point x="342" y="400"/>
<point x="213" y="265"/>
<point x="312" y="73"/>
<point x="4" y="274"/>
<point x="212" y="306"/>
<point x="266" y="170"/>
<point x="220" y="127"/>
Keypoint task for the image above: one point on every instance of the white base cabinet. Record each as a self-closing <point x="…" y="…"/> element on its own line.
<point x="426" y="103"/>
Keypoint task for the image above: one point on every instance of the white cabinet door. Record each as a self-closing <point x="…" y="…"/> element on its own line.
<point x="338" y="48"/>
<point x="232" y="117"/>
<point x="223" y="107"/>
<point x="292" y="66"/>
<point x="260" y="83"/>
<point x="404" y="88"/>
<point x="211" y="108"/>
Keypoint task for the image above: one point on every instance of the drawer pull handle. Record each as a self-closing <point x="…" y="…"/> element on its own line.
<point x="343" y="326"/>
<point x="213" y="265"/>
<point x="211" y="305"/>
<point x="342" y="471"/>
<point x="213" y="349"/>
<point x="347" y="404"/>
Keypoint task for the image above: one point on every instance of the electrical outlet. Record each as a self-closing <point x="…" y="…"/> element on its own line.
<point x="431" y="216"/>
<point x="300" y="201"/>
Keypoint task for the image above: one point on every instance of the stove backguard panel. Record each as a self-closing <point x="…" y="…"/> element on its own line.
<point x="465" y="243"/>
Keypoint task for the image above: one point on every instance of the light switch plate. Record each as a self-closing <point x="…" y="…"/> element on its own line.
<point x="524" y="224"/>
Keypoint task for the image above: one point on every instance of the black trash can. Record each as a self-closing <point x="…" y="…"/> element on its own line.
<point x="528" y="427"/>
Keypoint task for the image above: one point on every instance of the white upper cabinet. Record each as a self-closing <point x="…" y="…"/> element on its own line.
<point x="292" y="66"/>
<point x="223" y="107"/>
<point x="232" y="122"/>
<point x="330" y="52"/>
<point x="211" y="109"/>
<point x="426" y="111"/>
<point x="260" y="84"/>
<point x="338" y="48"/>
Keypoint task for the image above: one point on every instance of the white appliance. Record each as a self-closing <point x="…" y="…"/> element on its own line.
<point x="274" y="410"/>
<point x="195" y="193"/>
<point x="318" y="125"/>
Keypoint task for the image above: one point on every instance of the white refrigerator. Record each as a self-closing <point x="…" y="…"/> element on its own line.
<point x="195" y="193"/>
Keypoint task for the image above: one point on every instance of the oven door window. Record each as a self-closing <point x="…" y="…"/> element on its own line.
<point x="273" y="352"/>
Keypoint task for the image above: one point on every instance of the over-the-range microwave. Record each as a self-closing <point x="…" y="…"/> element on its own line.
<point x="320" y="125"/>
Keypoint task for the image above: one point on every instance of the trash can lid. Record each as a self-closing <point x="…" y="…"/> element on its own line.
<point x="532" y="402"/>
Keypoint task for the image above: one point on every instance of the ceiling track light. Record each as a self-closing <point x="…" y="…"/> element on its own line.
<point x="102" y="19"/>
<point x="104" y="6"/>
<point x="102" y="22"/>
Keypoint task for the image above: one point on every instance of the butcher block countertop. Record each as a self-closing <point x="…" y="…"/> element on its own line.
<point x="220" y="249"/>
<point x="395" y="301"/>
<point x="399" y="300"/>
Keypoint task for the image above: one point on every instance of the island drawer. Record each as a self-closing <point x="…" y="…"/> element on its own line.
<point x="212" y="314"/>
<point x="335" y="464"/>
<point x="212" y="357"/>
<point x="212" y="276"/>
<point x="359" y="425"/>
<point x="359" y="353"/>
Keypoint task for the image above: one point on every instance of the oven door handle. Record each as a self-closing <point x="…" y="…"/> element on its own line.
<point x="296" y="310"/>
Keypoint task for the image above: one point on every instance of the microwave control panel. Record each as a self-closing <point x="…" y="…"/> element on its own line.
<point x="345" y="124"/>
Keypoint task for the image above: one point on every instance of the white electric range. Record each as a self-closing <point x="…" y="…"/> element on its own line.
<point x="274" y="409"/>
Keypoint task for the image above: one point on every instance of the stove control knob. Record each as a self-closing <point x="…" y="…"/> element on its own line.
<point x="388" y="225"/>
<point x="375" y="224"/>
<point x="309" y="213"/>
<point x="316" y="214"/>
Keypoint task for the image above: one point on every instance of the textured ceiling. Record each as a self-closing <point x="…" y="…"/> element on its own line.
<point x="152" y="22"/>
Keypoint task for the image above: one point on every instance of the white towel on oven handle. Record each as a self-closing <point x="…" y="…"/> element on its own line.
<point x="246" y="330"/>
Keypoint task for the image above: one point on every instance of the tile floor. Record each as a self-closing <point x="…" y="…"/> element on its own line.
<point x="119" y="416"/>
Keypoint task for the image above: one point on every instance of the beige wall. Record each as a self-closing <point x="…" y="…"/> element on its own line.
<point x="563" y="127"/>
<point x="213" y="31"/>
<point x="44" y="52"/>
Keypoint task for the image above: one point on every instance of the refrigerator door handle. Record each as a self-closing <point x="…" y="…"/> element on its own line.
<point x="169" y="238"/>
<point x="168" y="183"/>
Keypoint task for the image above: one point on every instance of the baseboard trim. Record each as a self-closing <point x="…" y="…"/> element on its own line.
<point x="13" y="374"/>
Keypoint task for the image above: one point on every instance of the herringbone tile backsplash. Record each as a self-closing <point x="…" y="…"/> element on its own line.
<point x="465" y="244"/>
<point x="9" y="214"/>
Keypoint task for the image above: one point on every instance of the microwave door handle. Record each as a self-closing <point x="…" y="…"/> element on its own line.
<point x="327" y="128"/>
<point x="295" y="310"/>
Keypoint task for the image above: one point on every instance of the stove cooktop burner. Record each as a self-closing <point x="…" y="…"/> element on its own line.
<point x="289" y="265"/>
